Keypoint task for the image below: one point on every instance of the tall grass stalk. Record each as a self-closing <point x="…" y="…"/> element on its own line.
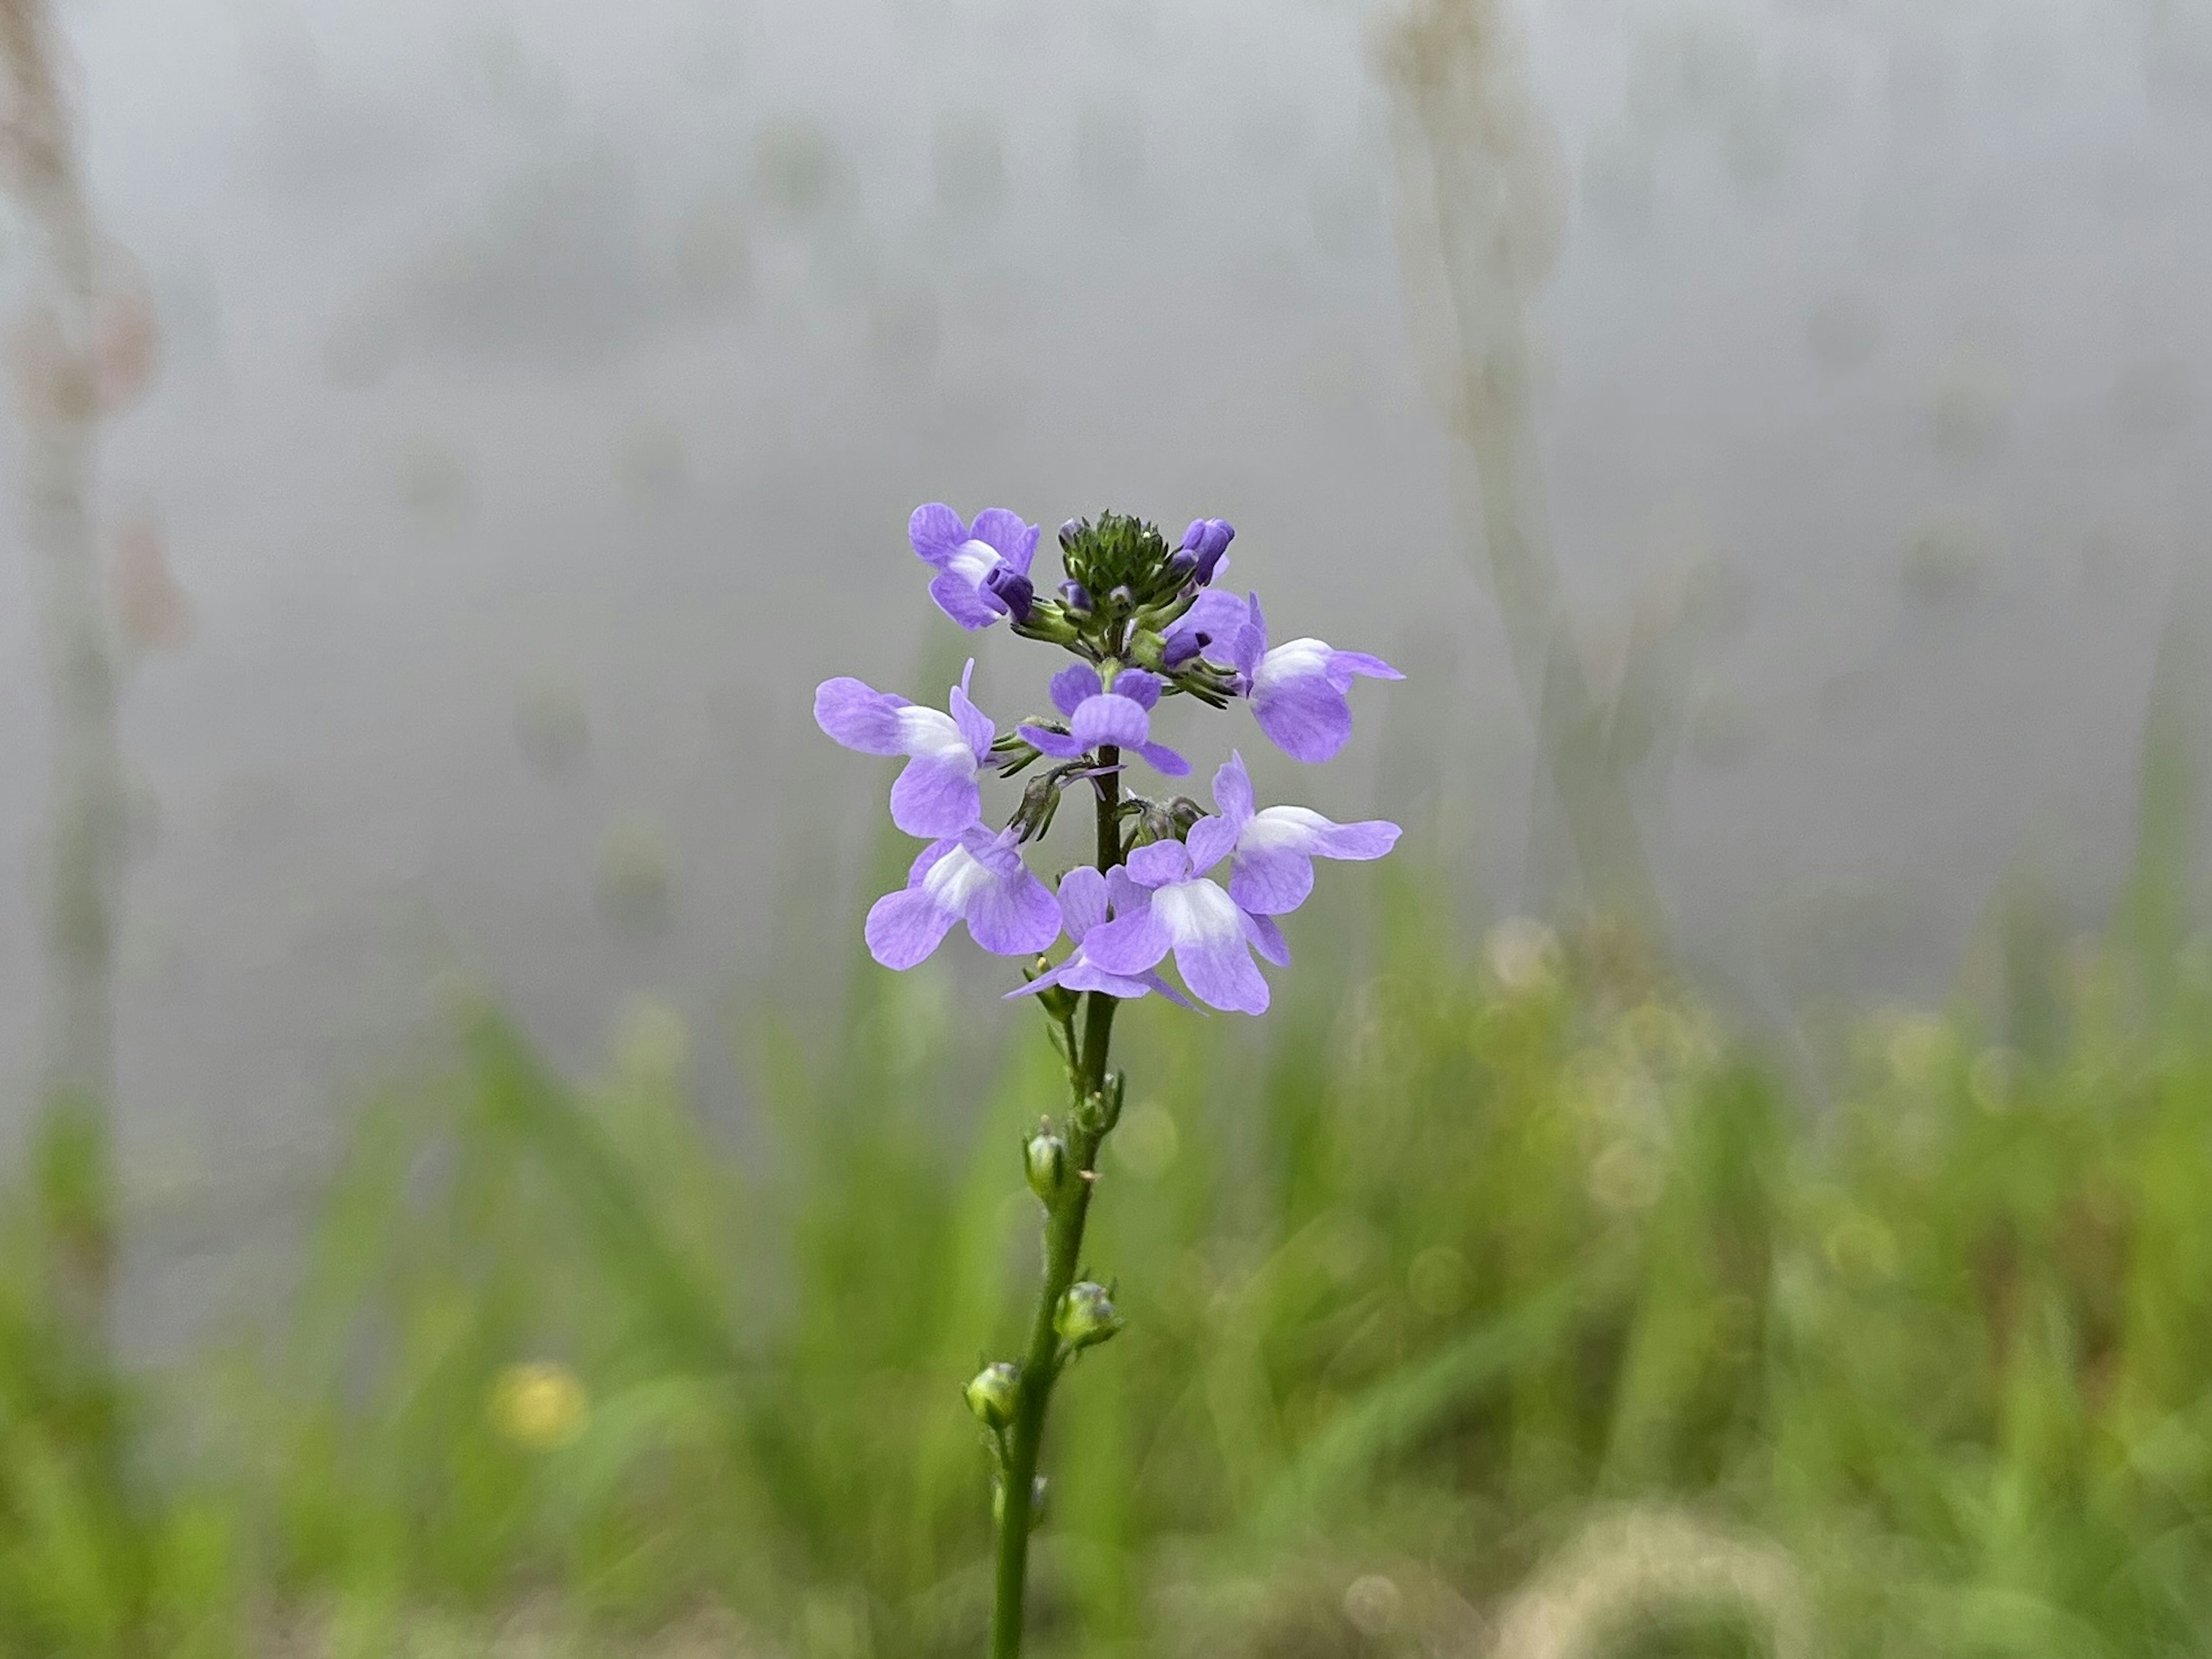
<point x="60" y="393"/>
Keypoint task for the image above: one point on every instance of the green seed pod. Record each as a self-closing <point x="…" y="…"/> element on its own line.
<point x="1085" y="1315"/>
<point x="994" y="1393"/>
<point x="1051" y="1167"/>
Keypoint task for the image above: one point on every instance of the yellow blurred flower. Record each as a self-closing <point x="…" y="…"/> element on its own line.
<point x="540" y="1404"/>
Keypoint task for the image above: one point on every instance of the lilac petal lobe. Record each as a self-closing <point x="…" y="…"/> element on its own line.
<point x="1308" y="719"/>
<point x="1268" y="939"/>
<point x="1212" y="952"/>
<point x="1209" y="843"/>
<point x="1058" y="745"/>
<point x="904" y="927"/>
<point x="1349" y="663"/>
<point x="1072" y="684"/>
<point x="964" y="601"/>
<point x="1128" y="945"/>
<point x="1159" y="863"/>
<point x="1233" y="791"/>
<point x="1370" y="839"/>
<point x="1013" y="917"/>
<point x="856" y="714"/>
<point x="1163" y="760"/>
<point x="932" y="798"/>
<point x="1139" y="686"/>
<point x="1110" y="718"/>
<point x="1082" y="901"/>
<point x="934" y="530"/>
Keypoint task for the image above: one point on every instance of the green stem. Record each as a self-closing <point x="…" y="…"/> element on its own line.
<point x="1063" y="1246"/>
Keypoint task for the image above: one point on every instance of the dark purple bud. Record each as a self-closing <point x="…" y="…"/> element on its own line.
<point x="1182" y="647"/>
<point x="1014" y="590"/>
<point x="1181" y="562"/>
<point x="1077" y="597"/>
<point x="1212" y="537"/>
<point x="1068" y="532"/>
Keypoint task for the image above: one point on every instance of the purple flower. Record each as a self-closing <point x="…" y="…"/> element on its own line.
<point x="982" y="569"/>
<point x="1086" y="900"/>
<point x="938" y="793"/>
<point x="1121" y="717"/>
<point x="1202" y="546"/>
<point x="1299" y="690"/>
<point x="974" y="877"/>
<point x="1175" y="907"/>
<point x="1271" y="861"/>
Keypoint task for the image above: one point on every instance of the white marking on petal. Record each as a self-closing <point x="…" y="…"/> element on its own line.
<point x="1197" y="913"/>
<point x="955" y="880"/>
<point x="972" y="560"/>
<point x="1297" y="829"/>
<point x="1300" y="659"/>
<point x="932" y="734"/>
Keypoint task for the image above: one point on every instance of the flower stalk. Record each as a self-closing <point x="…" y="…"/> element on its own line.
<point x="1143" y="624"/>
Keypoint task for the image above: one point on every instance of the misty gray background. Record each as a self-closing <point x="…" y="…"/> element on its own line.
<point x="546" y="387"/>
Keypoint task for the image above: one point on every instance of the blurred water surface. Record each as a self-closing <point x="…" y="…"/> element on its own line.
<point x="545" y="389"/>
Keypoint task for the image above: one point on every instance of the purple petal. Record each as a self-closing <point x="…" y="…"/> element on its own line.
<point x="935" y="530"/>
<point x="1013" y="915"/>
<point x="975" y="725"/>
<point x="963" y="602"/>
<point x="1015" y="542"/>
<point x="1152" y="980"/>
<point x="1268" y="939"/>
<point x="1271" y="881"/>
<point x="1085" y="975"/>
<point x="1165" y="760"/>
<point x="1370" y="839"/>
<point x="1058" y="745"/>
<point x="1212" y="949"/>
<point x="1110" y="718"/>
<point x="1303" y="716"/>
<point x="1123" y="894"/>
<point x="1078" y="973"/>
<point x="1343" y="664"/>
<point x="1072" y="684"/>
<point x="1158" y="863"/>
<point x="905" y="927"/>
<point x="859" y="716"/>
<point x="1082" y="901"/>
<point x="1139" y="687"/>
<point x="937" y="795"/>
<point x="1209" y="843"/>
<point x="1127" y="944"/>
<point x="1233" y="791"/>
<point x="1217" y="614"/>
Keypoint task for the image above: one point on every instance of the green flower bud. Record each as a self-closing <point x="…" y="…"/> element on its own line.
<point x="1085" y="1315"/>
<point x="1051" y="1166"/>
<point x="994" y="1393"/>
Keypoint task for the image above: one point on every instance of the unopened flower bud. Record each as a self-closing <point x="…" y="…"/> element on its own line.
<point x="1206" y="541"/>
<point x="1086" y="1316"/>
<point x="1036" y="1501"/>
<point x="1040" y="802"/>
<point x="1014" y="590"/>
<point x="1070" y="533"/>
<point x="1051" y="1167"/>
<point x="994" y="1393"/>
<point x="1182" y="646"/>
<point x="1077" y="597"/>
<point x="1123" y="597"/>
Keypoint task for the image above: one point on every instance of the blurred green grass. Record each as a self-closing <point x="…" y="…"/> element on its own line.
<point x="1486" y="1297"/>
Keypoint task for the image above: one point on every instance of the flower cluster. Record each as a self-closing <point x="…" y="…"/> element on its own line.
<point x="1144" y="623"/>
